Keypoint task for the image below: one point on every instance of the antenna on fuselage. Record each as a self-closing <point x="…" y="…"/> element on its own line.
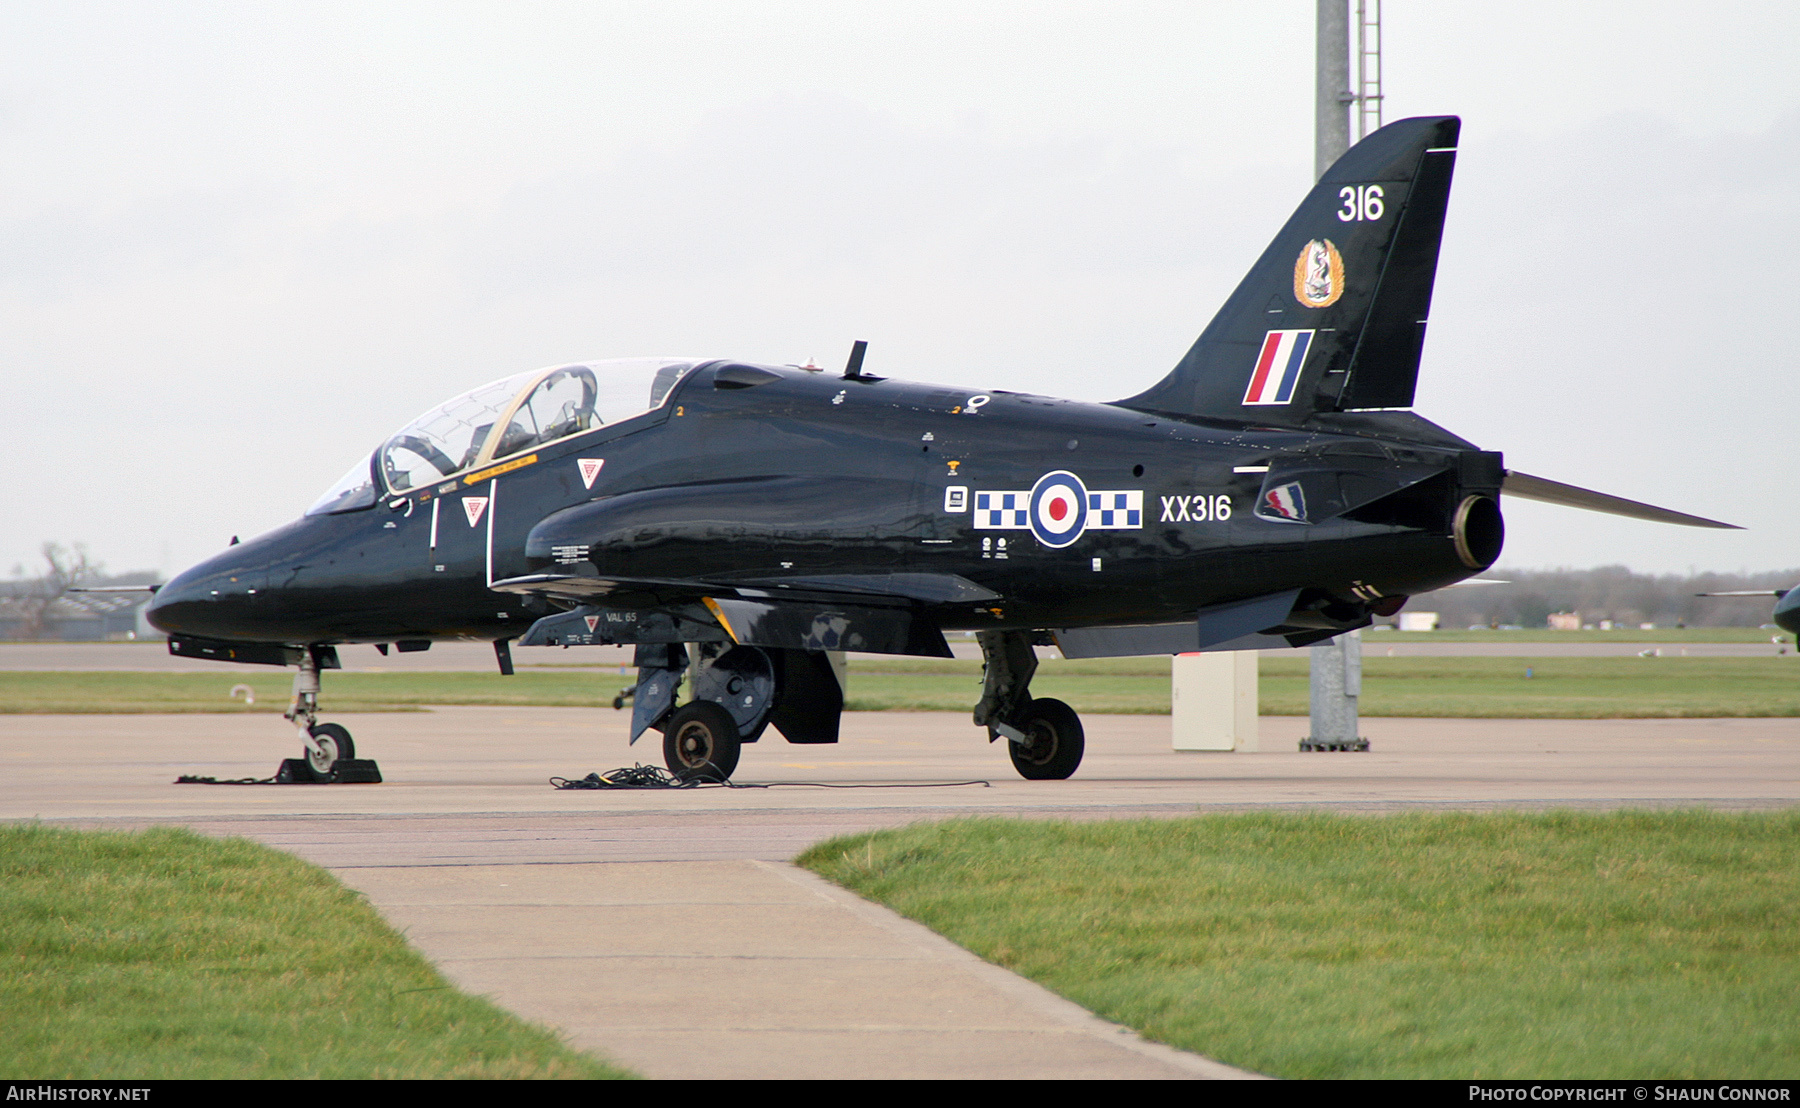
<point x="853" y="369"/>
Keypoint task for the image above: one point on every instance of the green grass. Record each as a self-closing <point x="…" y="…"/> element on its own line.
<point x="164" y="954"/>
<point x="1559" y="688"/>
<point x="1566" y="688"/>
<point x="1633" y="944"/>
<point x="1562" y="688"/>
<point x="64" y="692"/>
<point x="1665" y="635"/>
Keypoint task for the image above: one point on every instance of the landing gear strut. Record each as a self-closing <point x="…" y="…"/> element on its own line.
<point x="328" y="747"/>
<point x="1044" y="737"/>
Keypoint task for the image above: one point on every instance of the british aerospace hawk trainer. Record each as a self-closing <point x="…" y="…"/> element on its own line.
<point x="742" y="524"/>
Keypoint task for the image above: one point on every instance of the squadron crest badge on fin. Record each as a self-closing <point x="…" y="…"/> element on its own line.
<point x="1319" y="274"/>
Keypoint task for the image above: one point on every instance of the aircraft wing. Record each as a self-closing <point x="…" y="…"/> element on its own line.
<point x="873" y="613"/>
<point x="878" y="588"/>
<point x="586" y="588"/>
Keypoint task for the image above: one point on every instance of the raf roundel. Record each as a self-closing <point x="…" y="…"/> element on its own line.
<point x="1059" y="506"/>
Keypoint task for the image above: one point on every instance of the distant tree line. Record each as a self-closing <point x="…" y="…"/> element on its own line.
<point x="1606" y="593"/>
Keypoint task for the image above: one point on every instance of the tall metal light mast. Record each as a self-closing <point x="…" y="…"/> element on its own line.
<point x="1336" y="664"/>
<point x="1334" y="98"/>
<point x="1332" y="95"/>
<point x="1368" y="67"/>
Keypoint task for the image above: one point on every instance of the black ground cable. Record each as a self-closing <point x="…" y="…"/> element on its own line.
<point x="654" y="777"/>
<point x="190" y="779"/>
<point x="627" y="777"/>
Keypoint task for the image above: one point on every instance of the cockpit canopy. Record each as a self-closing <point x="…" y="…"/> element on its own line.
<point x="504" y="418"/>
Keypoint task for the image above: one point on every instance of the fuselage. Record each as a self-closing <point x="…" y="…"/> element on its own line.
<point x="1137" y="518"/>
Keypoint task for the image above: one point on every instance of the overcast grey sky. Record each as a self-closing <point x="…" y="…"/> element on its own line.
<point x="241" y="243"/>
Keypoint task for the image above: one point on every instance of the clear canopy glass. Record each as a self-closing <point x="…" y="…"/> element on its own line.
<point x="355" y="489"/>
<point x="505" y="418"/>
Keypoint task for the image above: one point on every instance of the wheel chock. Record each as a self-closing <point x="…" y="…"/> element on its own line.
<point x="346" y="771"/>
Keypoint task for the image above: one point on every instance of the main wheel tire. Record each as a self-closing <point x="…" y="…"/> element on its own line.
<point x="700" y="742"/>
<point x="1054" y="741"/>
<point x="335" y="745"/>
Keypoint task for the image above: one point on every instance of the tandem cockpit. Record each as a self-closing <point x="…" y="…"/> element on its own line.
<point x="503" y="419"/>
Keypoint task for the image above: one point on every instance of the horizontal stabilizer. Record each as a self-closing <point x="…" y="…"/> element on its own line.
<point x="1527" y="487"/>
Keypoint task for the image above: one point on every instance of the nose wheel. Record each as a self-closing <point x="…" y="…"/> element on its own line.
<point x="331" y="744"/>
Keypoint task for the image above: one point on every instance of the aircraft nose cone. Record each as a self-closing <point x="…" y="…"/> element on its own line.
<point x="1787" y="611"/>
<point x="211" y="600"/>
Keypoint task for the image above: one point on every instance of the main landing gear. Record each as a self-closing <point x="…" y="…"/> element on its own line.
<point x="329" y="753"/>
<point x="738" y="692"/>
<point x="1043" y="736"/>
<point x="701" y="742"/>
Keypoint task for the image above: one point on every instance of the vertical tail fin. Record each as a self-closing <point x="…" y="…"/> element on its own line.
<point x="1332" y="316"/>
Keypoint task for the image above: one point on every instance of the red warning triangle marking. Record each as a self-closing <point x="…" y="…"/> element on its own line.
<point x="590" y="469"/>
<point x="592" y="622"/>
<point x="473" y="506"/>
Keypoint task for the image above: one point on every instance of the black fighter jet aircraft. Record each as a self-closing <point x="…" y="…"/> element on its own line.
<point x="742" y="524"/>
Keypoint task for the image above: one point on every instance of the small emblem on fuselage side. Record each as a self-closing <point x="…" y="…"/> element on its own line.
<point x="1058" y="509"/>
<point x="1278" y="366"/>
<point x="1319" y="274"/>
<point x="590" y="469"/>
<point x="1283" y="504"/>
<point x="956" y="498"/>
<point x="473" y="506"/>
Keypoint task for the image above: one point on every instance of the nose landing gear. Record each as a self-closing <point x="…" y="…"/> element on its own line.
<point x="329" y="754"/>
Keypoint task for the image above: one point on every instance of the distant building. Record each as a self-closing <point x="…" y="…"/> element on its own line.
<point x="1565" y="621"/>
<point x="1418" y="621"/>
<point x="87" y="617"/>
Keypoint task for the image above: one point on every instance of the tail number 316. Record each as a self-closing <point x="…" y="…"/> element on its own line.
<point x="1361" y="203"/>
